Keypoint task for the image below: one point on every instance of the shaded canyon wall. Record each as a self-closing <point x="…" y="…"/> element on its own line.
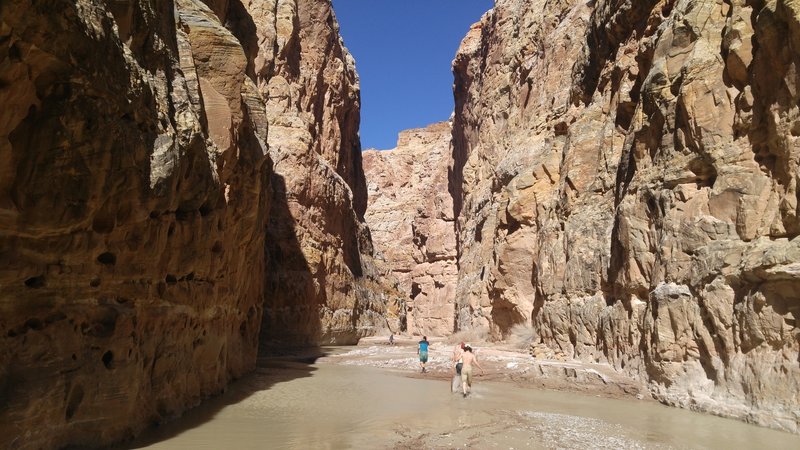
<point x="322" y="285"/>
<point x="625" y="179"/>
<point x="143" y="227"/>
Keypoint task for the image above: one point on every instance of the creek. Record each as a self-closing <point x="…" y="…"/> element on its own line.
<point x="319" y="405"/>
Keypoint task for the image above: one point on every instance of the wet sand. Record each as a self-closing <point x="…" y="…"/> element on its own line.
<point x="501" y="364"/>
<point x="334" y="403"/>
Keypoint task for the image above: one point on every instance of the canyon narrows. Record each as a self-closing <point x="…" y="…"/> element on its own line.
<point x="182" y="189"/>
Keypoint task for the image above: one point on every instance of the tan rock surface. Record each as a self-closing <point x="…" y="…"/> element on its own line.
<point x="625" y="177"/>
<point x="141" y="224"/>
<point x="135" y="189"/>
<point x="322" y="285"/>
<point x="410" y="215"/>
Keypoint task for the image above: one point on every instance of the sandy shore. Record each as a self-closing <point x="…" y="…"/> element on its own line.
<point x="501" y="364"/>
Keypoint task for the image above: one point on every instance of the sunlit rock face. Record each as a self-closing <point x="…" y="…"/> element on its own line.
<point x="626" y="182"/>
<point x="322" y="286"/>
<point x="142" y="225"/>
<point x="410" y="214"/>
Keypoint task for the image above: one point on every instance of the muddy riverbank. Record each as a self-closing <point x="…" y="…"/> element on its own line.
<point x="502" y="364"/>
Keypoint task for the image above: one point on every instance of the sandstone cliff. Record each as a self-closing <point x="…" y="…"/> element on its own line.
<point x="410" y="214"/>
<point x="141" y="223"/>
<point x="322" y="286"/>
<point x="134" y="194"/>
<point x="626" y="183"/>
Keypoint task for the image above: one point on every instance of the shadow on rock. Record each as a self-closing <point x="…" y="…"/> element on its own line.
<point x="270" y="371"/>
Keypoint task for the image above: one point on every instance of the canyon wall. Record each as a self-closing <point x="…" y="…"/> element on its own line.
<point x="410" y="214"/>
<point x="322" y="285"/>
<point x="625" y="179"/>
<point x="142" y="226"/>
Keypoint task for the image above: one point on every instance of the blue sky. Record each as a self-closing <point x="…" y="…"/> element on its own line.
<point x="403" y="50"/>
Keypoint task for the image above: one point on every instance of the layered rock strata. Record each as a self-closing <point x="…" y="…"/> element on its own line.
<point x="135" y="187"/>
<point x="322" y="286"/>
<point x="626" y="184"/>
<point x="140" y="215"/>
<point x="410" y="214"/>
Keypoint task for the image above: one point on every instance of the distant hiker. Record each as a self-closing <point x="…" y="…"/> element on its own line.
<point x="391" y="339"/>
<point x="458" y="352"/>
<point x="422" y="351"/>
<point x="468" y="359"/>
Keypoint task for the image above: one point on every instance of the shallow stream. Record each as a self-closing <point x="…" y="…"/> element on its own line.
<point x="291" y="405"/>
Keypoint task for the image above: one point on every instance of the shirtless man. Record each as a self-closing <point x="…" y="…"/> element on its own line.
<point x="458" y="350"/>
<point x="468" y="359"/>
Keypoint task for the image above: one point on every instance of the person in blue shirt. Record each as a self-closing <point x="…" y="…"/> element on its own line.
<point x="422" y="351"/>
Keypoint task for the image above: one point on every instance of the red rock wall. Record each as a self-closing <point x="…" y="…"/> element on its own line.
<point x="410" y="215"/>
<point x="626" y="180"/>
<point x="140" y="213"/>
<point x="133" y="206"/>
<point x="322" y="286"/>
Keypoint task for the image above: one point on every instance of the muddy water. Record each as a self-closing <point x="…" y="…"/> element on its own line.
<point x="320" y="406"/>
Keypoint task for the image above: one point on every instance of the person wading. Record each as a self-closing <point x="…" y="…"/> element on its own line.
<point x="468" y="359"/>
<point x="422" y="351"/>
<point x="458" y="351"/>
